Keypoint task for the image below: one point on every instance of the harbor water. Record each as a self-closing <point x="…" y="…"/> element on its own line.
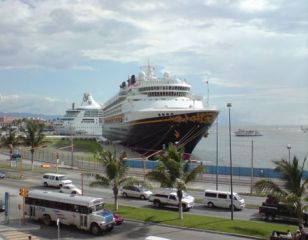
<point x="264" y="150"/>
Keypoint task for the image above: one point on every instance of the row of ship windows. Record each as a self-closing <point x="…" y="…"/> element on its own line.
<point x="165" y="94"/>
<point x="112" y="112"/>
<point x="88" y="128"/>
<point x="120" y="119"/>
<point x="164" y="88"/>
<point x="87" y="121"/>
<point x="165" y="114"/>
<point x="93" y="113"/>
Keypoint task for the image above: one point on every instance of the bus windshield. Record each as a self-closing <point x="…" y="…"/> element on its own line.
<point x="237" y="197"/>
<point x="97" y="207"/>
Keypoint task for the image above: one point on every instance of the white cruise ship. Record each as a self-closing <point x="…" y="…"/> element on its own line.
<point x="83" y="120"/>
<point x="148" y="113"/>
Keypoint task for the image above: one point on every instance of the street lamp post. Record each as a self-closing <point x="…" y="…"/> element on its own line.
<point x="231" y="180"/>
<point x="217" y="153"/>
<point x="289" y="149"/>
<point x="251" y="179"/>
<point x="72" y="147"/>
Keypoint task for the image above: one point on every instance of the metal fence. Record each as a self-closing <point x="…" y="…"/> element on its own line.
<point x="221" y="170"/>
<point x="90" y="163"/>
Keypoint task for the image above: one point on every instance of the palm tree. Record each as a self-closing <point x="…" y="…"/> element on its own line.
<point x="34" y="137"/>
<point x="115" y="173"/>
<point x="293" y="191"/>
<point x="174" y="172"/>
<point x="11" y="140"/>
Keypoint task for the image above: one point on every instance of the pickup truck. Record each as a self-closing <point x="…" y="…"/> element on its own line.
<point x="166" y="198"/>
<point x="280" y="211"/>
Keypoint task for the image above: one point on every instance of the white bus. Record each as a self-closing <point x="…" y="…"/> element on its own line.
<point x="84" y="212"/>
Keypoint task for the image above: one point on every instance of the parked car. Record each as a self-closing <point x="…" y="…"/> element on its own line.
<point x="278" y="235"/>
<point x="2" y="206"/>
<point x="136" y="191"/>
<point x="168" y="197"/>
<point x="280" y="211"/>
<point x="71" y="189"/>
<point x="2" y="174"/>
<point x="214" y="198"/>
<point x="118" y="219"/>
<point x="55" y="180"/>
<point x="16" y="156"/>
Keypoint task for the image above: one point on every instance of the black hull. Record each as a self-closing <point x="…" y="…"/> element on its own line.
<point x="148" y="136"/>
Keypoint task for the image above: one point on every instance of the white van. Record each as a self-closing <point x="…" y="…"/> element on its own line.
<point x="55" y="180"/>
<point x="213" y="198"/>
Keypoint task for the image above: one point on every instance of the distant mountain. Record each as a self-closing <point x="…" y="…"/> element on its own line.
<point x="29" y="115"/>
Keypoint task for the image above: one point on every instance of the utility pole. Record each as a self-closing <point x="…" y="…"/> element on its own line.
<point x="57" y="163"/>
<point x="81" y="182"/>
<point x="20" y="166"/>
<point x="23" y="192"/>
<point x="251" y="180"/>
<point x="229" y="105"/>
<point x="217" y="153"/>
<point x="72" y="148"/>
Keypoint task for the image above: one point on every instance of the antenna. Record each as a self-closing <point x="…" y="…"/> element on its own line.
<point x="208" y="92"/>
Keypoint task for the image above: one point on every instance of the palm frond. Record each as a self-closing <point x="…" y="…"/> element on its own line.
<point x="269" y="187"/>
<point x="132" y="181"/>
<point x="189" y="177"/>
<point x="161" y="177"/>
<point x="100" y="181"/>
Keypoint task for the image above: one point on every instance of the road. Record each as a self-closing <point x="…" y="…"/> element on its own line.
<point x="34" y="182"/>
<point x="132" y="230"/>
<point x="128" y="230"/>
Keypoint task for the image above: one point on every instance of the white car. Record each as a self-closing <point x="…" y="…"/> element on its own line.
<point x="135" y="191"/>
<point x="71" y="189"/>
<point x="214" y="198"/>
<point x="168" y="197"/>
<point x="55" y="180"/>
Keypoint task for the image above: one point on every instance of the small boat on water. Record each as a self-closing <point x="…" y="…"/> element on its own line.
<point x="304" y="129"/>
<point x="247" y="133"/>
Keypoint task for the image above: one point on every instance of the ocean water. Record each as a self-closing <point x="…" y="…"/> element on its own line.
<point x="267" y="148"/>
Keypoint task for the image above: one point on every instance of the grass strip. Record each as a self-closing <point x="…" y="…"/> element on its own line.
<point x="242" y="227"/>
<point x="82" y="145"/>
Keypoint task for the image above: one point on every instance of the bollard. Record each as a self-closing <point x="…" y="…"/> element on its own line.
<point x="29" y="237"/>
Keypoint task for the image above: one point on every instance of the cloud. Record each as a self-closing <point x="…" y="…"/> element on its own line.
<point x="32" y="104"/>
<point x="256" y="5"/>
<point x="235" y="44"/>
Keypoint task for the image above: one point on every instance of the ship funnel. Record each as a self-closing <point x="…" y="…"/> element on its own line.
<point x="73" y="106"/>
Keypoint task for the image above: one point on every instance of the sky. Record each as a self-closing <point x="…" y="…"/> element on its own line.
<point x="253" y="53"/>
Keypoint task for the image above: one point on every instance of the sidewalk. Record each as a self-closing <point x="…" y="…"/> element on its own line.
<point x="15" y="224"/>
<point x="15" y="230"/>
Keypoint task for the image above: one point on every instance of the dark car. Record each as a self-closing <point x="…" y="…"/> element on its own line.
<point x="16" y="156"/>
<point x="2" y="174"/>
<point x="118" y="220"/>
<point x="2" y="206"/>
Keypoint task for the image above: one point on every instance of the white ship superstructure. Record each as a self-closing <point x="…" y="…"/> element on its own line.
<point x="247" y="133"/>
<point x="83" y="120"/>
<point x="149" y="112"/>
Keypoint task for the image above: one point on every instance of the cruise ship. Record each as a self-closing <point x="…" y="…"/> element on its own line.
<point x="148" y="113"/>
<point x="83" y="120"/>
